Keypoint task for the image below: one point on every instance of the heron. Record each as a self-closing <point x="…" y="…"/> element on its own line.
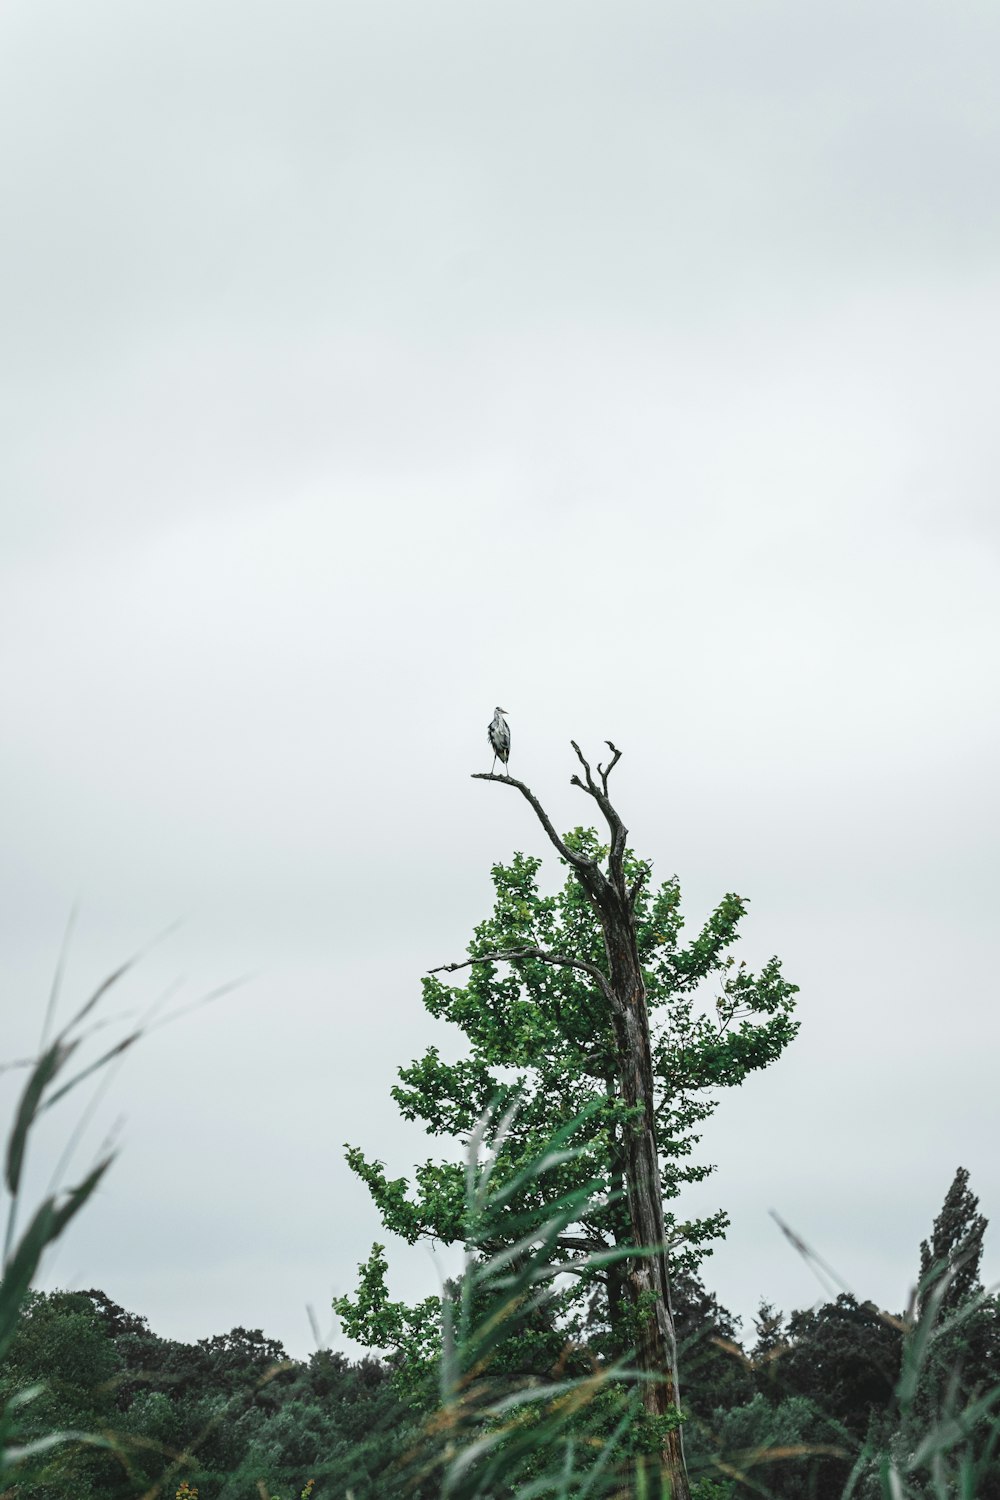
<point x="498" y="734"/>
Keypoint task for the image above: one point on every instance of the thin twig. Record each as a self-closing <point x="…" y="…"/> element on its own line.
<point x="604" y="774"/>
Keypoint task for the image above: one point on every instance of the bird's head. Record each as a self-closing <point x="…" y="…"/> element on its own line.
<point x="500" y="710"/>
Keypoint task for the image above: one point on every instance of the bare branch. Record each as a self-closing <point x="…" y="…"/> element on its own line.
<point x="510" y="955"/>
<point x="619" y="833"/>
<point x="590" y="787"/>
<point x="578" y="861"/>
<point x="604" y="774"/>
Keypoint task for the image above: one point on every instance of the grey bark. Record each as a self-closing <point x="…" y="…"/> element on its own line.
<point x="648" y="1277"/>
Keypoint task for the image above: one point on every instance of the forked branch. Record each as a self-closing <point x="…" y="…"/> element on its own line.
<point x="589" y="871"/>
<point x="603" y="771"/>
<point x="575" y="780"/>
<point x="619" y="833"/>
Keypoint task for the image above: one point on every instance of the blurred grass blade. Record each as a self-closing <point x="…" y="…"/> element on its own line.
<point x="46" y="1068"/>
<point x="114" y="977"/>
<point x="91" y="1068"/>
<point x="57" y="977"/>
<point x="19" y="1270"/>
<point x="48" y="1223"/>
<point x="77" y="1197"/>
<point x="952" y="1430"/>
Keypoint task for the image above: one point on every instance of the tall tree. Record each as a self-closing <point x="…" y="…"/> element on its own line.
<point x="957" y="1330"/>
<point x="955" y="1248"/>
<point x="569" y="1015"/>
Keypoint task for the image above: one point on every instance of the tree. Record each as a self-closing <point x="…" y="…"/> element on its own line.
<point x="953" y="1345"/>
<point x="771" y="1449"/>
<point x="717" y="1372"/>
<point x="845" y="1357"/>
<point x="569" y="1016"/>
<point x="62" y="1351"/>
<point x="955" y="1249"/>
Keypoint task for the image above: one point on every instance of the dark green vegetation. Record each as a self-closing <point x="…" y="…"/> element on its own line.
<point x="223" y="1414"/>
<point x="814" y="1407"/>
<point x="846" y="1399"/>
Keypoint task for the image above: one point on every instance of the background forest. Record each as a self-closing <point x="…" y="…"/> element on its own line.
<point x="789" y="1406"/>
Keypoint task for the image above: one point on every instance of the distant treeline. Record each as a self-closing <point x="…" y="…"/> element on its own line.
<point x="234" y="1418"/>
<point x="225" y="1415"/>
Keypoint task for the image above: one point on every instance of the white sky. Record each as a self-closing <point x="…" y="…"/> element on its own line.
<point x="364" y="365"/>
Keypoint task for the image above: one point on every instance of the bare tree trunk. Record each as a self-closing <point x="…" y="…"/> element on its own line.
<point x="649" y="1282"/>
<point x="619" y="1287"/>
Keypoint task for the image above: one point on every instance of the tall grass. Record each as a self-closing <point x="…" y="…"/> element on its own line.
<point x="53" y="1078"/>
<point x="931" y="1443"/>
<point x="50" y="1081"/>
<point x="528" y="1437"/>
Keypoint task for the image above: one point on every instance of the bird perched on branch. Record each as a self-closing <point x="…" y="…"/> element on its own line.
<point x="498" y="734"/>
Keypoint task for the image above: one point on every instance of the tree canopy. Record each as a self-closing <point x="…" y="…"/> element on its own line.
<point x="228" y="1413"/>
<point x="544" y="1035"/>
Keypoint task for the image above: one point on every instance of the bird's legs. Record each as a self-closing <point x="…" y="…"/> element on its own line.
<point x="494" y="765"/>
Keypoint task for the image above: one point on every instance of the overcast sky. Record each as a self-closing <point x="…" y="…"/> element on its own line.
<point x="364" y="365"/>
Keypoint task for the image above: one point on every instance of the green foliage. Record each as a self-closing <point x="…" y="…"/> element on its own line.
<point x="780" y="1447"/>
<point x="412" y="1333"/>
<point x="224" y="1414"/>
<point x="711" y="1489"/>
<point x="949" y="1390"/>
<point x="716" y="1371"/>
<point x="952" y="1256"/>
<point x="846" y="1354"/>
<point x="543" y="1035"/>
<point x="60" y="1350"/>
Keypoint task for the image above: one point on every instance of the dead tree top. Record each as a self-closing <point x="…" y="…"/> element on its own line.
<point x="588" y="869"/>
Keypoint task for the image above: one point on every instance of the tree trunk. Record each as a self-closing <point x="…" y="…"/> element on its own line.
<point x="622" y="983"/>
<point x="656" y="1351"/>
<point x="619" y="1287"/>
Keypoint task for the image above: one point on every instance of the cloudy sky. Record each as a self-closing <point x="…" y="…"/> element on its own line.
<point x="366" y="364"/>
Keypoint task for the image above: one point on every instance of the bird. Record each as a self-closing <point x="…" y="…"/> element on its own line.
<point x="498" y="734"/>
